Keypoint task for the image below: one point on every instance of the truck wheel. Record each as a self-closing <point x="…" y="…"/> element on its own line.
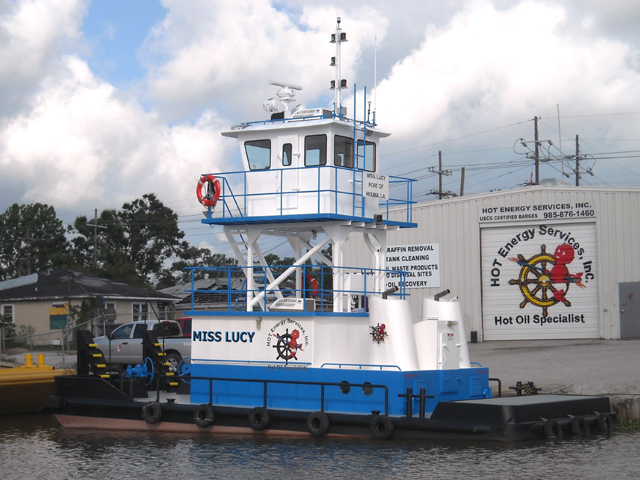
<point x="173" y="359"/>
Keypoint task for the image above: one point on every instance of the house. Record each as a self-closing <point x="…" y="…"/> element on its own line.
<point x="205" y="296"/>
<point x="39" y="302"/>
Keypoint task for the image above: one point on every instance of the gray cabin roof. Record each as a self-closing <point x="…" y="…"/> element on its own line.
<point x="68" y="284"/>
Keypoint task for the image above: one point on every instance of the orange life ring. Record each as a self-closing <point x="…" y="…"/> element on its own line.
<point x="212" y="182"/>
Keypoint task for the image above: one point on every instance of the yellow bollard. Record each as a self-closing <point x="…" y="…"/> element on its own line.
<point x="41" y="360"/>
<point x="28" y="360"/>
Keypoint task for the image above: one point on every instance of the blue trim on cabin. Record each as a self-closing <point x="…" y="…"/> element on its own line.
<point x="237" y="387"/>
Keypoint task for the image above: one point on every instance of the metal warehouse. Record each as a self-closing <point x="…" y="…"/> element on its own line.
<point x="535" y="263"/>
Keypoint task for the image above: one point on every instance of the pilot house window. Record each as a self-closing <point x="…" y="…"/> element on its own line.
<point x="366" y="156"/>
<point x="287" y="152"/>
<point x="258" y="154"/>
<point x="315" y="150"/>
<point x="343" y="151"/>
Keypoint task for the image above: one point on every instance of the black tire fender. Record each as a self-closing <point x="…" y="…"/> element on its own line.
<point x="259" y="418"/>
<point x="580" y="426"/>
<point x="318" y="423"/>
<point x="152" y="412"/>
<point x="605" y="423"/>
<point x="204" y="415"/>
<point x="552" y="429"/>
<point x="381" y="427"/>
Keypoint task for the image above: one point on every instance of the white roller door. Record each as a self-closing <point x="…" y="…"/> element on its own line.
<point x="539" y="281"/>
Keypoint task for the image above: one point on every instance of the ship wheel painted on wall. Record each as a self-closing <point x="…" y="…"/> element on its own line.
<point x="287" y="345"/>
<point x="537" y="283"/>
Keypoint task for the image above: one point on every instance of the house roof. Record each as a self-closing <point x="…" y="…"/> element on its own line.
<point x="209" y="296"/>
<point x="68" y="284"/>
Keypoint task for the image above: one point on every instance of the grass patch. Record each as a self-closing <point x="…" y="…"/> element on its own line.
<point x="626" y="425"/>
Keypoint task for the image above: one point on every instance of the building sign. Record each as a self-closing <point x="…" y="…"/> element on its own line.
<point x="420" y="263"/>
<point x="376" y="186"/>
<point x="57" y="317"/>
<point x="537" y="212"/>
<point x="539" y="281"/>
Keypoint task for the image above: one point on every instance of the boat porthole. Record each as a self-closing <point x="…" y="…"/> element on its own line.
<point x="204" y="415"/>
<point x="367" y="389"/>
<point x="381" y="427"/>
<point x="152" y="412"/>
<point x="318" y="423"/>
<point x="345" y="387"/>
<point x="259" y="418"/>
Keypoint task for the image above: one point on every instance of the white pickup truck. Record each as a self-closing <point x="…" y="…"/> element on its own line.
<point x="124" y="344"/>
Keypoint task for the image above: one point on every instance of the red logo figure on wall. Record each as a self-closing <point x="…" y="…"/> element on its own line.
<point x="539" y="284"/>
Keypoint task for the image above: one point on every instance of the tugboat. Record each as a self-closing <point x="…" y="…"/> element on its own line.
<point x="316" y="347"/>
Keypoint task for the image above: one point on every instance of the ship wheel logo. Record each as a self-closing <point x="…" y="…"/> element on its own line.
<point x="287" y="345"/>
<point x="378" y="333"/>
<point x="544" y="279"/>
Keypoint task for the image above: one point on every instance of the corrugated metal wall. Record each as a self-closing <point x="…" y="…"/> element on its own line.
<point x="455" y="226"/>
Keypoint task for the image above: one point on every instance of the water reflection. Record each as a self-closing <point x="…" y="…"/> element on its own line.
<point x="34" y="446"/>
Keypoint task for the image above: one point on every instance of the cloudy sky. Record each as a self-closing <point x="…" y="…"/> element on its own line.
<point x="102" y="101"/>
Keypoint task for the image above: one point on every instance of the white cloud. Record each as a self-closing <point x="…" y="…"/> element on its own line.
<point x="32" y="35"/>
<point x="226" y="53"/>
<point x="488" y="68"/>
<point x="84" y="143"/>
<point x="73" y="140"/>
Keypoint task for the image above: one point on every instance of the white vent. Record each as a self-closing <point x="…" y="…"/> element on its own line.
<point x="293" y="305"/>
<point x="311" y="112"/>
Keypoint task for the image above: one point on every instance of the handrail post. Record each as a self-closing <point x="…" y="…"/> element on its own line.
<point x="265" y="394"/>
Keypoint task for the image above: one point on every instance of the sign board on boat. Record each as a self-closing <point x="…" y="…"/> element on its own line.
<point x="420" y="263"/>
<point x="375" y="185"/>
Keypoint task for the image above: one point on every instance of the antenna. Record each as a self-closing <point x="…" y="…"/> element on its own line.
<point x="375" y="67"/>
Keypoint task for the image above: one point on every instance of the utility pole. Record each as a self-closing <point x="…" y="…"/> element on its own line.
<point x="462" y="183"/>
<point x="537" y="150"/>
<point x="440" y="173"/>
<point x="28" y="240"/>
<point x="577" y="161"/>
<point x="95" y="236"/>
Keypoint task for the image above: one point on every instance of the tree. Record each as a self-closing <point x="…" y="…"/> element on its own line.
<point x="135" y="245"/>
<point x="194" y="257"/>
<point x="32" y="238"/>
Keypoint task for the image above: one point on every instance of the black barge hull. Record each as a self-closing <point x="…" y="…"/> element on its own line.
<point x="89" y="402"/>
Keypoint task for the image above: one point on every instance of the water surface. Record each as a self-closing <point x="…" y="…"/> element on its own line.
<point x="36" y="447"/>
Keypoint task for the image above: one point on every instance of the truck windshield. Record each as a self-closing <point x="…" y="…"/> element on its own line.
<point x="123" y="332"/>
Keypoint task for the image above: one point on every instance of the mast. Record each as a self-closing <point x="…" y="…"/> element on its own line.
<point x="338" y="83"/>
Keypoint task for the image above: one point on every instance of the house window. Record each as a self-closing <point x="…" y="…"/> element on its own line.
<point x="166" y="311"/>
<point x="140" y="311"/>
<point x="7" y="312"/>
<point x="315" y="150"/>
<point x="258" y="154"/>
<point x="343" y="151"/>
